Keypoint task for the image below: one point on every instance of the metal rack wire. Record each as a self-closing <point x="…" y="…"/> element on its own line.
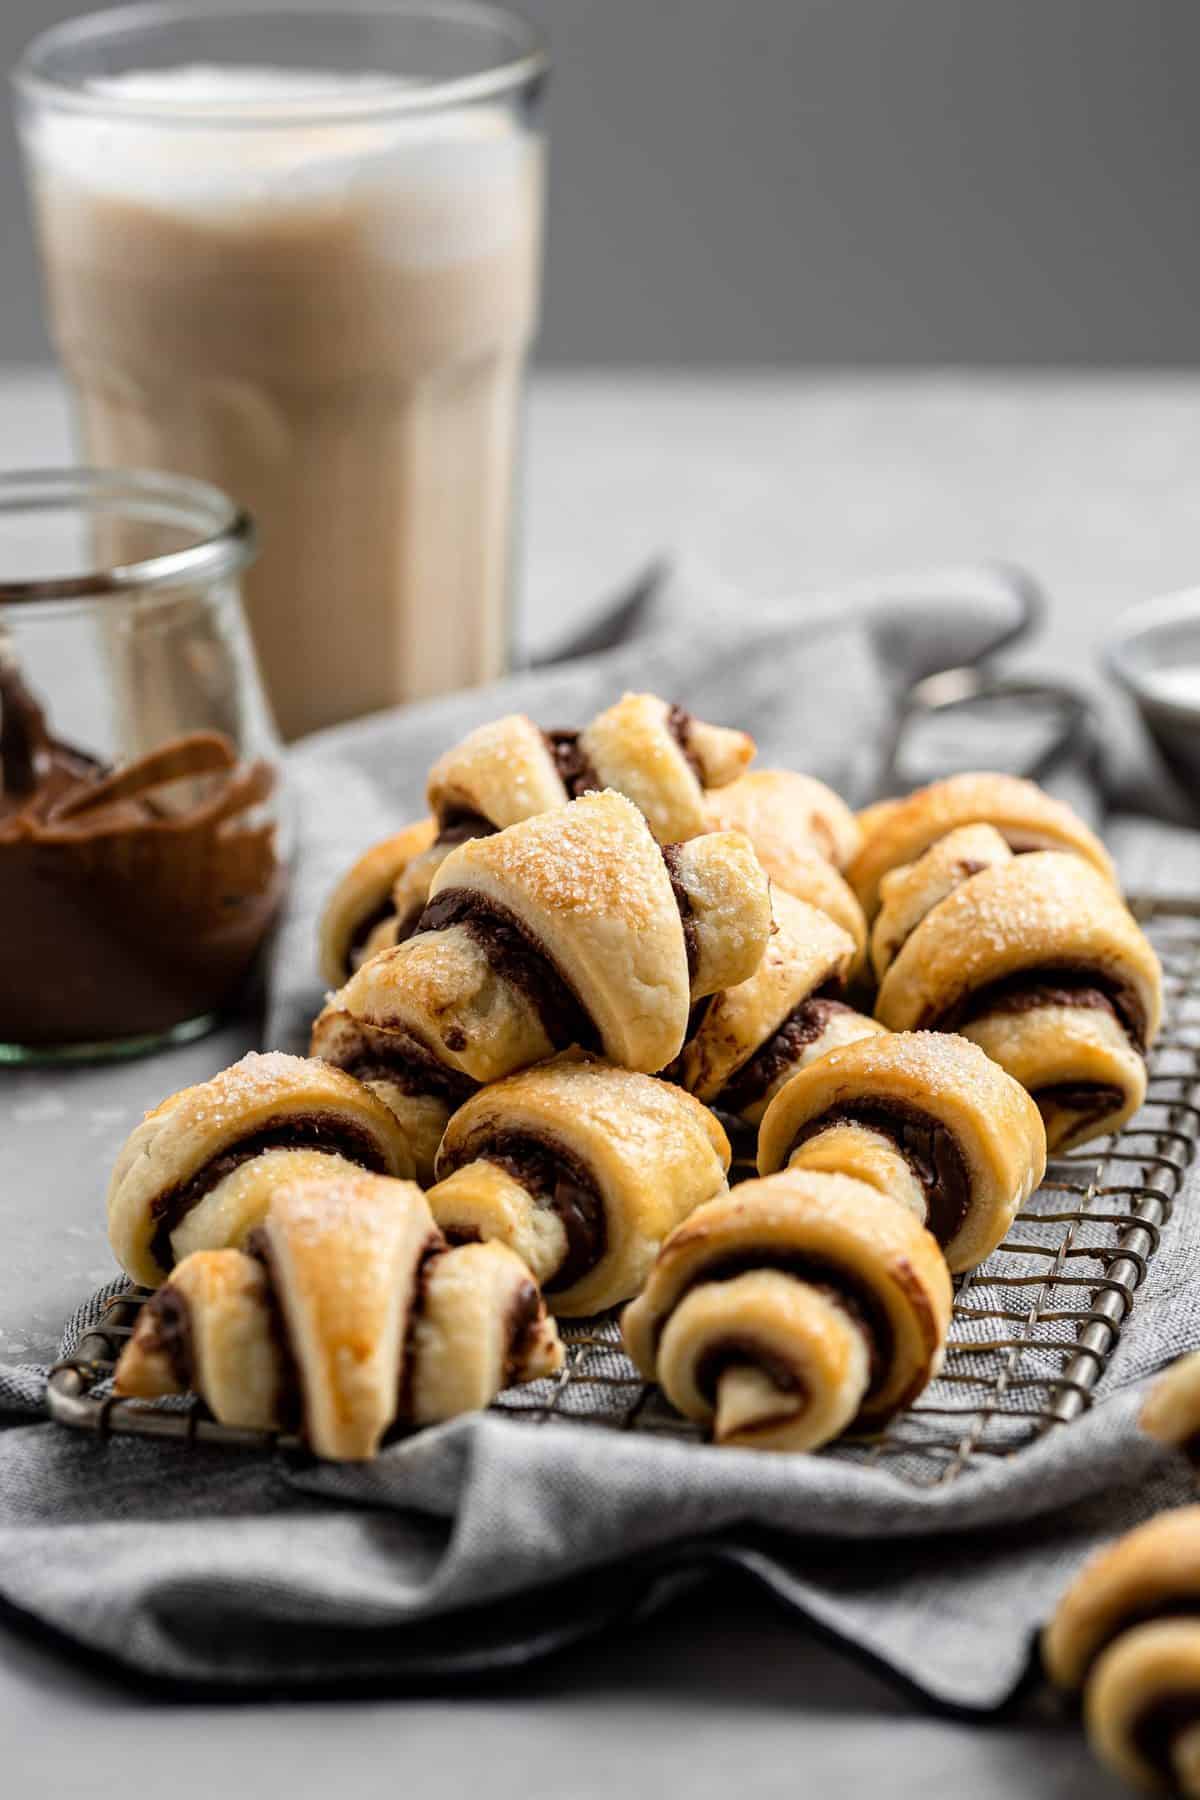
<point x="1033" y="1332"/>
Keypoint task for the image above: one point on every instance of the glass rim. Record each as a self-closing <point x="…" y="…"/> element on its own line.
<point x="523" y="69"/>
<point x="226" y="539"/>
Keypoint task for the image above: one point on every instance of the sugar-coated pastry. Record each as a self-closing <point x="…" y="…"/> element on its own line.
<point x="746" y="1041"/>
<point x="663" y="759"/>
<point x="420" y="1091"/>
<point x="908" y="894"/>
<point x="1127" y="1632"/>
<point x="899" y="831"/>
<point x="927" y="1119"/>
<point x="360" y="915"/>
<point x="658" y="755"/>
<point x="345" y="1314"/>
<point x="802" y="833"/>
<point x="199" y="1171"/>
<point x="573" y="927"/>
<point x="582" y="1169"/>
<point x="785" y="1311"/>
<point x="1037" y="959"/>
<point x="1171" y="1412"/>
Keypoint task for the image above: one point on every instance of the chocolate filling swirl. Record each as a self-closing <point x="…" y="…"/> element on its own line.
<point x="555" y="1178"/>
<point x="931" y="1150"/>
<point x="1051" y="985"/>
<point x="782" y="1050"/>
<point x="290" y="1131"/>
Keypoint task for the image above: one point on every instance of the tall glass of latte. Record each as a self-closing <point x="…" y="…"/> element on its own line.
<point x="294" y="250"/>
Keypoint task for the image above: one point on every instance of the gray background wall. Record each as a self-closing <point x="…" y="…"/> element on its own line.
<point x="840" y="181"/>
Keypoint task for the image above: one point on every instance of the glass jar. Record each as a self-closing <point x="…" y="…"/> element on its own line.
<point x="142" y="866"/>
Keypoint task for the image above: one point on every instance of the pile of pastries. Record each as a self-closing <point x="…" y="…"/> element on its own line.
<point x="613" y="964"/>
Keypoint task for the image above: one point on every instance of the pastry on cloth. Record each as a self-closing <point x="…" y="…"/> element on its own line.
<point x="199" y="1171"/>
<point x="899" y="831"/>
<point x="927" y="1119"/>
<point x="582" y="1169"/>
<point x="360" y="915"/>
<point x="803" y="834"/>
<point x="572" y="928"/>
<point x="1038" y="960"/>
<point x="1171" y="1412"/>
<point x="346" y="1313"/>
<point x="791" y="1308"/>
<point x="658" y="755"/>
<point x="746" y="1041"/>
<point x="1127" y="1633"/>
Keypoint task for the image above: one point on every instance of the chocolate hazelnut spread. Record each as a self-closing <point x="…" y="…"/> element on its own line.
<point x="803" y="1026"/>
<point x="123" y="910"/>
<point x="734" y="1352"/>
<point x="296" y="1131"/>
<point x="556" y="1179"/>
<point x="172" y="1318"/>
<point x="519" y="958"/>
<point x="571" y="760"/>
<point x="931" y="1151"/>
<point x="1053" y="986"/>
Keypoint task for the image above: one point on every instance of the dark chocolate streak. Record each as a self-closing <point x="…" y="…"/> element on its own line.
<point x="736" y="1352"/>
<point x="683" y="900"/>
<point x="523" y="1316"/>
<point x="930" y="1149"/>
<point x="842" y="1284"/>
<point x="557" y="1180"/>
<point x="296" y="1131"/>
<point x="1094" y="1099"/>
<point x="679" y="724"/>
<point x="1157" y="1726"/>
<point x="289" y="1397"/>
<point x="404" y="1387"/>
<point x="575" y="771"/>
<point x="171" y="1324"/>
<point x="1053" y="985"/>
<point x="459" y="825"/>
<point x="803" y="1026"/>
<point x="411" y="1066"/>
<point x="519" y="958"/>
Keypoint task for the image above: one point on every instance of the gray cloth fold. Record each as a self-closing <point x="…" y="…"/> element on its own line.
<point x="490" y="1540"/>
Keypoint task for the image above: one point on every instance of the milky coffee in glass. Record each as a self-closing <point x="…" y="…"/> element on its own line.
<point x="293" y="285"/>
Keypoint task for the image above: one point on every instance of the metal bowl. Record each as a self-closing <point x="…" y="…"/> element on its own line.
<point x="1154" y="654"/>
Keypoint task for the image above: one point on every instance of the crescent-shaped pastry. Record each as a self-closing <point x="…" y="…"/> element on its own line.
<point x="1037" y="959"/>
<point x="908" y="894"/>
<point x="582" y="1169"/>
<point x="573" y="927"/>
<point x="346" y="1313"/>
<point x="746" y="1041"/>
<point x="899" y="831"/>
<point x="788" y="1309"/>
<point x="928" y="1120"/>
<point x="198" y="1173"/>
<point x="1127" y="1633"/>
<point x="360" y="914"/>
<point x="803" y="834"/>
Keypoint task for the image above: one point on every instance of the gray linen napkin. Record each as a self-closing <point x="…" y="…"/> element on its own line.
<point x="490" y="1540"/>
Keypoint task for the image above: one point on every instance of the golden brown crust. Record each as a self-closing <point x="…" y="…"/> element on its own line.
<point x="635" y="748"/>
<point x="807" y="951"/>
<point x="1047" y="915"/>
<point x="899" y="831"/>
<point x="1150" y="1673"/>
<point x="1171" y="1412"/>
<point x="362" y="891"/>
<point x="652" y="1152"/>
<point x="909" y="894"/>
<point x="502" y="771"/>
<point x="922" y="1076"/>
<point x="183" y="1135"/>
<point x="837" y="1235"/>
<point x="370" y="1056"/>
<point x="350" y="1309"/>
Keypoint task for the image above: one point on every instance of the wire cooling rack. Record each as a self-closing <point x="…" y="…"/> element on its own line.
<point x="1034" y="1328"/>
